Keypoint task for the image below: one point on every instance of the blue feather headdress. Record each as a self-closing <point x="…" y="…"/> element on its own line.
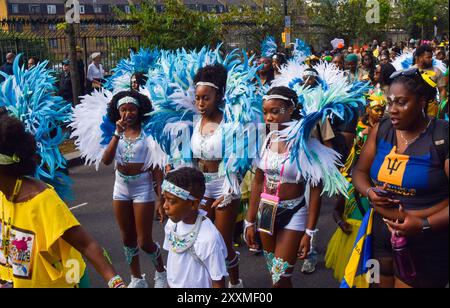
<point x="301" y="51"/>
<point x="269" y="47"/>
<point x="139" y="62"/>
<point x="29" y="95"/>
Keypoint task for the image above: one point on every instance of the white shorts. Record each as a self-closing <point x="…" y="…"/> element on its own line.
<point x="213" y="183"/>
<point x="136" y="188"/>
<point x="298" y="220"/>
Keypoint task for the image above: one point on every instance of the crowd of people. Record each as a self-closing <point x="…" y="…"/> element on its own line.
<point x="356" y="123"/>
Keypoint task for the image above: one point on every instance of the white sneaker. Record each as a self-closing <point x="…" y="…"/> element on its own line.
<point x="137" y="283"/>
<point x="161" y="280"/>
<point x="240" y="285"/>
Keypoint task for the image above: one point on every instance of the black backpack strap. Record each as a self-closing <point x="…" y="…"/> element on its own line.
<point x="440" y="139"/>
<point x="359" y="203"/>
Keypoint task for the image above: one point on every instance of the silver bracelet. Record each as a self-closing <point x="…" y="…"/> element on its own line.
<point x="118" y="135"/>
<point x="310" y="232"/>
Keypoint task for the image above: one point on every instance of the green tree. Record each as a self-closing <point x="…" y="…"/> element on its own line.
<point x="347" y="19"/>
<point x="175" y="27"/>
<point x="416" y="16"/>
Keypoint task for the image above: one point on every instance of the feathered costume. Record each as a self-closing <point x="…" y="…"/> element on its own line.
<point x="333" y="97"/>
<point x="172" y="91"/>
<point x="29" y="95"/>
<point x="269" y="47"/>
<point x="139" y="62"/>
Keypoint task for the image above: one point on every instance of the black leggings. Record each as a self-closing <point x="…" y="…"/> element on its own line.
<point x="430" y="253"/>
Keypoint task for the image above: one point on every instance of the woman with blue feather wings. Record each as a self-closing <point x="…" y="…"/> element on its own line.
<point x="28" y="95"/>
<point x="110" y="127"/>
<point x="291" y="159"/>
<point x="215" y="99"/>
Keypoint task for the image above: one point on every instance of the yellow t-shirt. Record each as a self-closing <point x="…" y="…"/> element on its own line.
<point x="38" y="256"/>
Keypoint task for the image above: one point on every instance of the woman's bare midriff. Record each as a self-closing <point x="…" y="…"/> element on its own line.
<point x="290" y="191"/>
<point x="208" y="166"/>
<point x="131" y="169"/>
<point x="394" y="214"/>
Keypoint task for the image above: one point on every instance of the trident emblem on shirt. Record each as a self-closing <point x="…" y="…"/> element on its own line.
<point x="393" y="166"/>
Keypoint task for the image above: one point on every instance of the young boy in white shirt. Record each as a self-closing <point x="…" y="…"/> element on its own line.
<point x="197" y="251"/>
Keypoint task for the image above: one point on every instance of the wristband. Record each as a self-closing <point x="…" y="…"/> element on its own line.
<point x="367" y="192"/>
<point x="339" y="223"/>
<point x="310" y="232"/>
<point x="118" y="135"/>
<point x="246" y="226"/>
<point x="116" y="283"/>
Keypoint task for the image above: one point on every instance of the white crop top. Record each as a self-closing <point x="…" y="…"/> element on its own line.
<point x="271" y="164"/>
<point x="207" y="147"/>
<point x="132" y="151"/>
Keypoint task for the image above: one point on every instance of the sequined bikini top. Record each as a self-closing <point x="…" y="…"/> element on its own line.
<point x="207" y="147"/>
<point x="132" y="151"/>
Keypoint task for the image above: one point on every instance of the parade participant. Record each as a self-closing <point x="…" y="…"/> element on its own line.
<point x="284" y="171"/>
<point x="280" y="178"/>
<point x="134" y="196"/>
<point x="41" y="243"/>
<point x="138" y="63"/>
<point x="137" y="81"/>
<point x="392" y="171"/>
<point x="210" y="88"/>
<point x="367" y="68"/>
<point x="29" y="95"/>
<point x="201" y="120"/>
<point x="266" y="73"/>
<point x="138" y="165"/>
<point x="197" y="251"/>
<point x="348" y="214"/>
<point x="338" y="61"/>
<point x="278" y="60"/>
<point x="351" y="66"/>
<point x="422" y="58"/>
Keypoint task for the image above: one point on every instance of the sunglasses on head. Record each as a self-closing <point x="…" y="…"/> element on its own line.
<point x="412" y="72"/>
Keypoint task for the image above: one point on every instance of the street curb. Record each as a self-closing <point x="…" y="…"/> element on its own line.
<point x="74" y="159"/>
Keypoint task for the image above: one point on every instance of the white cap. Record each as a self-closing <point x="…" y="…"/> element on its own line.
<point x="95" y="55"/>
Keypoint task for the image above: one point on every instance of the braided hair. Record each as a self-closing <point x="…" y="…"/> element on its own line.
<point x="292" y="96"/>
<point x="145" y="105"/>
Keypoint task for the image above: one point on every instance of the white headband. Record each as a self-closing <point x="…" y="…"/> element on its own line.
<point x="310" y="74"/>
<point x="176" y="191"/>
<point x="6" y="160"/>
<point x="127" y="100"/>
<point x="275" y="96"/>
<point x="209" y="84"/>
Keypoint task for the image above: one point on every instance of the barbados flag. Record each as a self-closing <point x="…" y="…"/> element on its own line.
<point x="355" y="272"/>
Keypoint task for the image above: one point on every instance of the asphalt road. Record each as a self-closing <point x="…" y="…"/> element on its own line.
<point x="92" y="207"/>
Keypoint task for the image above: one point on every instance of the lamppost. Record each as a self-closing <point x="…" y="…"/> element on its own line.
<point x="435" y="19"/>
<point x="287" y="27"/>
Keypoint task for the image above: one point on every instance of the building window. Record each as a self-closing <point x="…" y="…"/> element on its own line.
<point x="204" y="8"/>
<point x="19" y="27"/>
<point x="35" y="9"/>
<point x="51" y="9"/>
<point x="81" y="9"/>
<point x="127" y="9"/>
<point x="53" y="43"/>
<point x="35" y="27"/>
<point x="14" y="9"/>
<point x="97" y="9"/>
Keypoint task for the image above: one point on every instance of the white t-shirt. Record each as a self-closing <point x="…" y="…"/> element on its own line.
<point x="183" y="271"/>
<point x="95" y="72"/>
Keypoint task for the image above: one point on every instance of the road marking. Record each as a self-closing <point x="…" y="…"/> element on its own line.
<point x="77" y="206"/>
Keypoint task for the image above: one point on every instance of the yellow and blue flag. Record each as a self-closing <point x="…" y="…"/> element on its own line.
<point x="355" y="272"/>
